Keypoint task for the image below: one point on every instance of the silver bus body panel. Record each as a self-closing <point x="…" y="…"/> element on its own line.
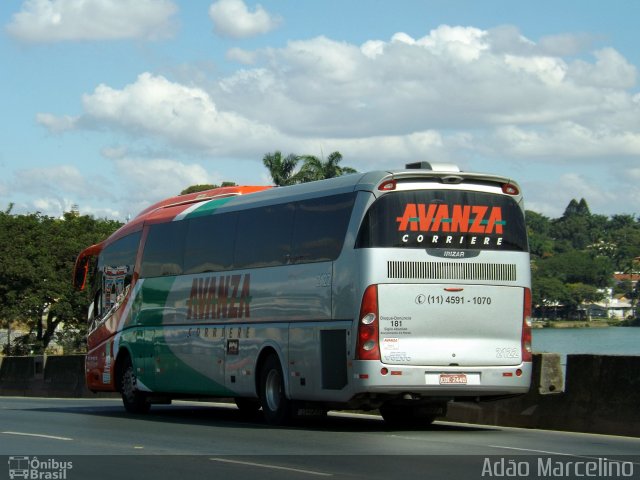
<point x="308" y="314"/>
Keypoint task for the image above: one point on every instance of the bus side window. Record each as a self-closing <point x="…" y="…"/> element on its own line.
<point x="263" y="236"/>
<point x="210" y="243"/>
<point x="114" y="273"/>
<point x="164" y="250"/>
<point x="320" y="227"/>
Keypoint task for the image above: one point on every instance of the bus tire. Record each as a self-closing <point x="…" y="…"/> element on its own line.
<point x="277" y="408"/>
<point x="407" y="416"/>
<point x="133" y="399"/>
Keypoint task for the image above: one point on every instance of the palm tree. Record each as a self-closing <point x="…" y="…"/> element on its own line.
<point x="315" y="169"/>
<point x="281" y="169"/>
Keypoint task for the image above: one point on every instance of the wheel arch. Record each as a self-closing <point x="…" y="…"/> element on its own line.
<point x="266" y="352"/>
<point x="120" y="365"/>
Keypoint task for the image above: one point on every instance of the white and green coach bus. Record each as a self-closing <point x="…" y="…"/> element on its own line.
<point x="393" y="290"/>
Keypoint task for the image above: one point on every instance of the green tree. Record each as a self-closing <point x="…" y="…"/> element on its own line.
<point x="571" y="231"/>
<point x="580" y="293"/>
<point x="205" y="186"/>
<point x="315" y="169"/>
<point x="548" y="291"/>
<point x="37" y="255"/>
<point x="538" y="229"/>
<point x="281" y="168"/>
<point x="577" y="266"/>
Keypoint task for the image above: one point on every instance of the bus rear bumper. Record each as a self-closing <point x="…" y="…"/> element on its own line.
<point x="455" y="381"/>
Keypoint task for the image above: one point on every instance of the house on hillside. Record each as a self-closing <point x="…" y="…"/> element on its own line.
<point x="610" y="308"/>
<point x="632" y="278"/>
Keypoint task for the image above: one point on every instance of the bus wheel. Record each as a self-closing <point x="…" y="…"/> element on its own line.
<point x="134" y="400"/>
<point x="407" y="416"/>
<point x="276" y="406"/>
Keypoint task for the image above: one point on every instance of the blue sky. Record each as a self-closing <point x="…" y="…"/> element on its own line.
<point x="115" y="104"/>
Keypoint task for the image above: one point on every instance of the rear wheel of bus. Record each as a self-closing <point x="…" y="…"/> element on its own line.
<point x="276" y="406"/>
<point x="133" y="399"/>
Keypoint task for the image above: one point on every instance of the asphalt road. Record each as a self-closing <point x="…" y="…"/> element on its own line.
<point x="95" y="438"/>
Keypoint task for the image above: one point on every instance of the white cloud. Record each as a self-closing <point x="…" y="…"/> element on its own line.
<point x="54" y="190"/>
<point x="565" y="141"/>
<point x="245" y="57"/>
<point x="553" y="195"/>
<point x="159" y="178"/>
<point x="182" y="115"/>
<point x="59" y="20"/>
<point x="634" y="174"/>
<point x="146" y="181"/>
<point x="50" y="180"/>
<point x="566" y="44"/>
<point x="232" y="18"/>
<point x="140" y="181"/>
<point x="57" y="124"/>
<point x="455" y="94"/>
<point x="49" y="205"/>
<point x="454" y="77"/>
<point x="611" y="70"/>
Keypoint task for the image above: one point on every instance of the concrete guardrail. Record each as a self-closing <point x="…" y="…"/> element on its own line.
<point x="601" y="394"/>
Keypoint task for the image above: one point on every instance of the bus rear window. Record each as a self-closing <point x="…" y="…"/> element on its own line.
<point x="444" y="219"/>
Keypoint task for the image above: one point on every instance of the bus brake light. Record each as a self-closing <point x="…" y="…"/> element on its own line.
<point x="368" y="348"/>
<point x="510" y="189"/>
<point x="526" y="327"/>
<point x="387" y="186"/>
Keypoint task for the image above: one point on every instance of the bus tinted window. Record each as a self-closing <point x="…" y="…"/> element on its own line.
<point x="263" y="237"/>
<point x="320" y="227"/>
<point x="210" y="243"/>
<point x="115" y="271"/>
<point x="164" y="250"/>
<point x="444" y="219"/>
<point x="121" y="252"/>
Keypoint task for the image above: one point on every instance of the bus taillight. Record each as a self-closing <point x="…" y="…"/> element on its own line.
<point x="526" y="327"/>
<point x="368" y="326"/>
<point x="510" y="189"/>
<point x="387" y="186"/>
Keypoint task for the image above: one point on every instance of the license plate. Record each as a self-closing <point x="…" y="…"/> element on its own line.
<point x="453" y="378"/>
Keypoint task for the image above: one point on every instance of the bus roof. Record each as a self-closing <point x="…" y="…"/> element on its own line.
<point x="172" y="206"/>
<point x="370" y="181"/>
<point x="373" y="181"/>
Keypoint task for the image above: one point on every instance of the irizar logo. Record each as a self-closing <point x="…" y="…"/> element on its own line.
<point x="460" y="219"/>
<point x="220" y="297"/>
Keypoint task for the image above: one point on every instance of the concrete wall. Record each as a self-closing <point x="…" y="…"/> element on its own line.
<point x="44" y="376"/>
<point x="601" y="394"/>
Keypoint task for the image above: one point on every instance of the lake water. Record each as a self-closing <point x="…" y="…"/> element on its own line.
<point x="604" y="341"/>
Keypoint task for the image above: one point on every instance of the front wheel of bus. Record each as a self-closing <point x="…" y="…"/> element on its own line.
<point x="276" y="406"/>
<point x="133" y="399"/>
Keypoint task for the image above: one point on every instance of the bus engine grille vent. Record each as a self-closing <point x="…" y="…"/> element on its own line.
<point x="505" y="272"/>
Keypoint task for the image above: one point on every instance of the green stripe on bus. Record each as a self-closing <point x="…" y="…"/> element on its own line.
<point x="155" y="292"/>
<point x="209" y="207"/>
<point x="178" y="376"/>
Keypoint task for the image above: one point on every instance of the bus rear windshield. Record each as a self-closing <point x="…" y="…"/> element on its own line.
<point x="444" y="219"/>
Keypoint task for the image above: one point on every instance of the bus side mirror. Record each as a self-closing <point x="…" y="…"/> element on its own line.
<point x="80" y="273"/>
